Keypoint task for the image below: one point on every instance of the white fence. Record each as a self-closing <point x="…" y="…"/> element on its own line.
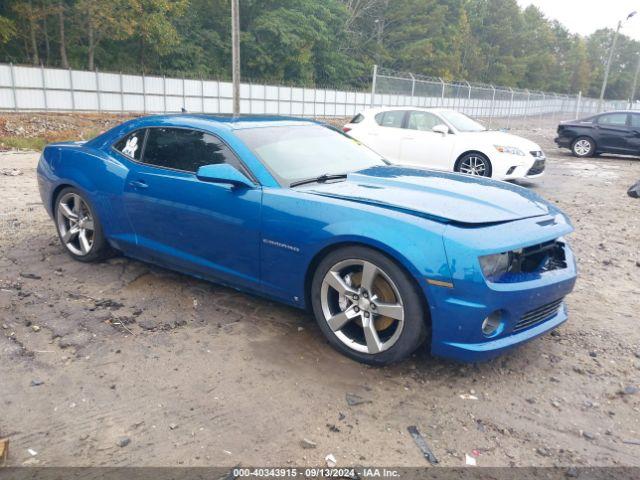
<point x="48" y="89"/>
<point x="28" y="88"/>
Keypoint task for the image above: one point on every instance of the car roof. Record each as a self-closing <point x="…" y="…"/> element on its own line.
<point x="375" y="110"/>
<point x="229" y="122"/>
<point x="617" y="111"/>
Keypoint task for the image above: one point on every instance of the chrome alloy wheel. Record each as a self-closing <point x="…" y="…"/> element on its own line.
<point x="582" y="147"/>
<point x="75" y="224"/>
<point x="362" y="306"/>
<point x="474" y="165"/>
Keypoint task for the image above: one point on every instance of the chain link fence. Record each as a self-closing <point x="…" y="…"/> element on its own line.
<point x="497" y="107"/>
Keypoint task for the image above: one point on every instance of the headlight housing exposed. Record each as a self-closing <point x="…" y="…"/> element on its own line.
<point x="509" y="150"/>
<point x="496" y="265"/>
<point x="517" y="265"/>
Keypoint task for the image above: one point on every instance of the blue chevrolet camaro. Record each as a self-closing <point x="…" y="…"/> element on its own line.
<point x="386" y="257"/>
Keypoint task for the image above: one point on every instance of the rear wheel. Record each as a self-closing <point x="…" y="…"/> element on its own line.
<point x="583" y="147"/>
<point x="79" y="228"/>
<point x="474" y="164"/>
<point x="367" y="306"/>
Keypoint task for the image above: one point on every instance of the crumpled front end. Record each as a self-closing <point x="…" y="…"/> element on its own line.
<point x="487" y="310"/>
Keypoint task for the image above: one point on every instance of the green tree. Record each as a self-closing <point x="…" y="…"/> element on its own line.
<point x="7" y="29"/>
<point x="104" y="18"/>
<point x="154" y="29"/>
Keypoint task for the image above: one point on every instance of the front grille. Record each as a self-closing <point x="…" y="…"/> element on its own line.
<point x="538" y="315"/>
<point x="538" y="167"/>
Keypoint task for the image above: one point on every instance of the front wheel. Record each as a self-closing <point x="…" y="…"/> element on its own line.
<point x="79" y="228"/>
<point x="474" y="164"/>
<point x="367" y="306"/>
<point x="583" y="147"/>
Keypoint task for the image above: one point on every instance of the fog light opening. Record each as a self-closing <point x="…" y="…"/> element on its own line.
<point x="491" y="325"/>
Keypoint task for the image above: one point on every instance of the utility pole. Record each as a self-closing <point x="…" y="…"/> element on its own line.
<point x="235" y="55"/>
<point x="608" y="68"/>
<point x="632" y="98"/>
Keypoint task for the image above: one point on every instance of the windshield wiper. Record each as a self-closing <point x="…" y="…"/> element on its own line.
<point x="321" y="179"/>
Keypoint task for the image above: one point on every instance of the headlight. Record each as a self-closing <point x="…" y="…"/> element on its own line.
<point x="510" y="150"/>
<point x="496" y="264"/>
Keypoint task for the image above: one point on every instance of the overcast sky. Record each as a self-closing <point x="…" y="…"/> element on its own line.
<point x="587" y="16"/>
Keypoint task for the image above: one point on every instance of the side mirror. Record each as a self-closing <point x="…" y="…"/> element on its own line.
<point x="223" y="173"/>
<point x="443" y="129"/>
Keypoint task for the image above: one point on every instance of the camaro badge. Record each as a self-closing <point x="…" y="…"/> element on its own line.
<point x="280" y="245"/>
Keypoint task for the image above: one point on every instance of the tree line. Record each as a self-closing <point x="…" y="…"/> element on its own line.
<point x="328" y="43"/>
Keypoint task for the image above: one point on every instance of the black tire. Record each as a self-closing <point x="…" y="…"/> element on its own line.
<point x="578" y="150"/>
<point x="100" y="248"/>
<point x="415" y="323"/>
<point x="461" y="164"/>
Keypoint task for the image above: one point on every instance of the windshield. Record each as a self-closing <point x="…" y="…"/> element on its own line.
<point x="296" y="153"/>
<point x="461" y="122"/>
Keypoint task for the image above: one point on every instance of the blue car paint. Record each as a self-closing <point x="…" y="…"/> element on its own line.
<point x="434" y="224"/>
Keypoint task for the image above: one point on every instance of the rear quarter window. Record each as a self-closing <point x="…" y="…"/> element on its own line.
<point x="131" y="145"/>
<point x="392" y="118"/>
<point x="357" y="119"/>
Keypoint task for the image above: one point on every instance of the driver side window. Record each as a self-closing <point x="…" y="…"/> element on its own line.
<point x="617" y="119"/>
<point x="184" y="149"/>
<point x="423" y="121"/>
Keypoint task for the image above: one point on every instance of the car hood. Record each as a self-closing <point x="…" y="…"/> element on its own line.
<point x="504" y="139"/>
<point x="444" y="196"/>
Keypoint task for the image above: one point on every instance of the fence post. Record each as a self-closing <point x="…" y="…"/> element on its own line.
<point x="346" y="100"/>
<point x="121" y="94"/>
<point x="493" y="105"/>
<point x="73" y="99"/>
<point x="324" y="107"/>
<point x="278" y="100"/>
<point x="373" y="86"/>
<point x="413" y="86"/>
<point x="542" y="108"/>
<point x="98" y="90"/>
<point x="201" y="93"/>
<point x="184" y="98"/>
<point x="442" y="92"/>
<point x="13" y="88"/>
<point x="44" y="87"/>
<point x="218" y="92"/>
<point x="510" y="108"/>
<point x="144" y="94"/>
<point x="164" y="94"/>
<point x="578" y="99"/>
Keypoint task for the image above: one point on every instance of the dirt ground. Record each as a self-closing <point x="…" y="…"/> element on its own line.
<point x="121" y="363"/>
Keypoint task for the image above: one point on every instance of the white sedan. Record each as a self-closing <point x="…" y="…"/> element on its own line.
<point x="443" y="139"/>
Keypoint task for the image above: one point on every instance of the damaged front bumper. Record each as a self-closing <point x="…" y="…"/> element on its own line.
<point x="522" y="306"/>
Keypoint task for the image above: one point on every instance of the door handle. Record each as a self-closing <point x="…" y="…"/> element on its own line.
<point x="138" y="184"/>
